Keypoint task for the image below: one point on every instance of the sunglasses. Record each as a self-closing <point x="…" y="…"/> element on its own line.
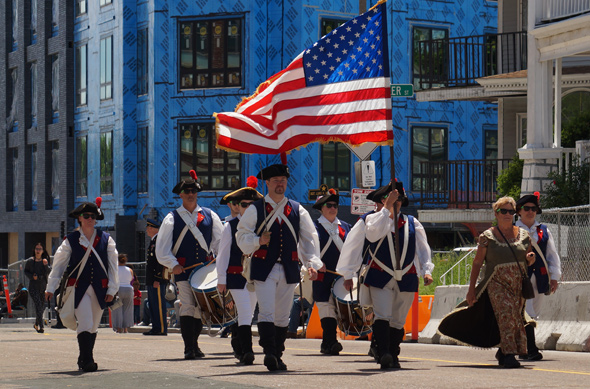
<point x="89" y="216"/>
<point x="244" y="205"/>
<point x="331" y="205"/>
<point x="189" y="191"/>
<point x="528" y="208"/>
<point x="505" y="211"/>
<point x="37" y="249"/>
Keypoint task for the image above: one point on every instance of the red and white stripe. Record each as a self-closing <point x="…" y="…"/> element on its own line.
<point x="284" y="114"/>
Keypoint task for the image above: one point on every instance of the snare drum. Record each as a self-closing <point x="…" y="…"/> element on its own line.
<point x="203" y="281"/>
<point x="353" y="319"/>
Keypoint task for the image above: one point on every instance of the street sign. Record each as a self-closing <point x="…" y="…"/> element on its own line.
<point x="313" y="194"/>
<point x="359" y="205"/>
<point x="402" y="90"/>
<point x="363" y="151"/>
<point x="369" y="178"/>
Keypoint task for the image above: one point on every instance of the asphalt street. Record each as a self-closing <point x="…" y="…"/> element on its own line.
<point x="48" y="360"/>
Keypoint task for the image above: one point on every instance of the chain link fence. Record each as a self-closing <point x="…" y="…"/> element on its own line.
<point x="570" y="228"/>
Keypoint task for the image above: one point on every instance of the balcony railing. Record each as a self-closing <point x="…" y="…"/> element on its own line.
<point x="551" y="10"/>
<point x="459" y="184"/>
<point x="452" y="62"/>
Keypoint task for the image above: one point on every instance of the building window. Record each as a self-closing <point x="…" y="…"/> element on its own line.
<point x="55" y="178"/>
<point x="105" y="2"/>
<point x="14" y="23"/>
<point x="33" y="26"/>
<point x="106" y="68"/>
<point x="12" y="120"/>
<point x="12" y="180"/>
<point x="491" y="144"/>
<point x="330" y="24"/>
<point x="54" y="17"/>
<point x="34" y="193"/>
<point x="106" y="162"/>
<point x="82" y="166"/>
<point x="217" y="169"/>
<point x="55" y="87"/>
<point x="429" y="60"/>
<point x="81" y="75"/>
<point x="210" y="53"/>
<point x="80" y="7"/>
<point x="521" y="130"/>
<point x="429" y="144"/>
<point x="335" y="157"/>
<point x="142" y="159"/>
<point x="33" y="74"/>
<point x="142" y="61"/>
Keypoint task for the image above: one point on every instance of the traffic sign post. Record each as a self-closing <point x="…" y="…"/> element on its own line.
<point x="402" y="90"/>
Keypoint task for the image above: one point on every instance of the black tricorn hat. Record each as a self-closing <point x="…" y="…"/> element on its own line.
<point x="152" y="223"/>
<point x="534" y="198"/>
<point x="276" y="170"/>
<point x="88" y="207"/>
<point x="332" y="195"/>
<point x="402" y="193"/>
<point x="188" y="183"/>
<point x="248" y="192"/>
<point x="378" y="193"/>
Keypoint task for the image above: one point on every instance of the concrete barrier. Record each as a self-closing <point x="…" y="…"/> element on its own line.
<point x="564" y="322"/>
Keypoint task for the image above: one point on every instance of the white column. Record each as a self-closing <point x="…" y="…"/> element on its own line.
<point x="557" y="105"/>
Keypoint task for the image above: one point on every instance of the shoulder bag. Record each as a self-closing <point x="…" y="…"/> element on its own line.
<point x="527" y="287"/>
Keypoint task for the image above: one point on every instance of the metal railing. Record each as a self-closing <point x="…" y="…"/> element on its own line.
<point x="459" y="61"/>
<point x="461" y="270"/>
<point x="459" y="184"/>
<point x="551" y="10"/>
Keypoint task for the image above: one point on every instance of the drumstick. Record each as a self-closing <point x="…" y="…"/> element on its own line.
<point x="333" y="272"/>
<point x="191" y="266"/>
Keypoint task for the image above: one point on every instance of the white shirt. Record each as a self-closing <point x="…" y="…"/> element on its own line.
<point x="164" y="245"/>
<point x="332" y="230"/>
<point x="350" y="258"/>
<point x="62" y="258"/>
<point x="379" y="224"/>
<point x="222" y="261"/>
<point x="553" y="261"/>
<point x="308" y="247"/>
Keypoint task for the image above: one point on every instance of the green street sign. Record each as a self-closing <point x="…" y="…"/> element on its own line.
<point x="402" y="90"/>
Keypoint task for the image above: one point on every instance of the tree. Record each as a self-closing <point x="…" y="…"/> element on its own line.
<point x="575" y="129"/>
<point x="510" y="179"/>
<point x="569" y="188"/>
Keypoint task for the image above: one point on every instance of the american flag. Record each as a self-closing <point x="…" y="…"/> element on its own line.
<point x="336" y="90"/>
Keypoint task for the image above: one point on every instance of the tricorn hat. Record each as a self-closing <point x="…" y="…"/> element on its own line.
<point x="276" y="170"/>
<point x="248" y="192"/>
<point x="188" y="183"/>
<point x="330" y="196"/>
<point x="378" y="193"/>
<point x="402" y="193"/>
<point x="152" y="223"/>
<point x="88" y="207"/>
<point x="534" y="198"/>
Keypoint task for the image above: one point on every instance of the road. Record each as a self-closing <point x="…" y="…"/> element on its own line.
<point x="32" y="360"/>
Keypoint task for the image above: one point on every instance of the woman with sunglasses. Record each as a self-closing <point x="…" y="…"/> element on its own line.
<point x="97" y="282"/>
<point x="544" y="272"/>
<point x="37" y="270"/>
<point x="229" y="272"/>
<point x="500" y="289"/>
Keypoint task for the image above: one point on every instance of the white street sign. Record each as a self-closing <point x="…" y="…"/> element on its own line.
<point x="359" y="204"/>
<point x="368" y="176"/>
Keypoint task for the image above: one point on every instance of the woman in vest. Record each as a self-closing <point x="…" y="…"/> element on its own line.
<point x="229" y="272"/>
<point x="331" y="232"/>
<point x="546" y="270"/>
<point x="98" y="281"/>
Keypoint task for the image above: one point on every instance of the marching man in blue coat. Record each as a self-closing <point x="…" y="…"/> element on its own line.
<point x="229" y="272"/>
<point x="189" y="236"/>
<point x="332" y="233"/>
<point x="545" y="272"/>
<point x="392" y="288"/>
<point x="278" y="232"/>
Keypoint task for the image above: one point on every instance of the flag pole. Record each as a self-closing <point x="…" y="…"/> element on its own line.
<point x="395" y="218"/>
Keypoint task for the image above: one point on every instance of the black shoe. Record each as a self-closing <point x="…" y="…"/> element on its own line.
<point x="155" y="333"/>
<point x="90" y="367"/>
<point x="500" y="357"/>
<point x="271" y="363"/>
<point x="281" y="365"/>
<point x="535" y="357"/>
<point x="510" y="362"/>
<point x="386" y="361"/>
<point x="199" y="353"/>
<point x="58" y="326"/>
<point x="189" y="355"/>
<point x="247" y="358"/>
<point x="395" y="364"/>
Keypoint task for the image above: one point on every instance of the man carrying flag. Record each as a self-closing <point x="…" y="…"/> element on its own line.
<point x="337" y="90"/>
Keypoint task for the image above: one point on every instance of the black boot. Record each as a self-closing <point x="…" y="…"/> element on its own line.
<point x="330" y="344"/>
<point x="266" y="330"/>
<point x="245" y="338"/>
<point x="236" y="345"/>
<point x="280" y="337"/>
<point x="86" y="346"/>
<point x="510" y="361"/>
<point x="373" y="350"/>
<point x="533" y="353"/>
<point x="187" y="330"/>
<point x="198" y="325"/>
<point x="381" y="336"/>
<point x="396" y="336"/>
<point x="500" y="357"/>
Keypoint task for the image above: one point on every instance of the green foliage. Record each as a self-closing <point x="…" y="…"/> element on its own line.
<point x="442" y="263"/>
<point x="575" y="129"/>
<point x="510" y="179"/>
<point x="568" y="189"/>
